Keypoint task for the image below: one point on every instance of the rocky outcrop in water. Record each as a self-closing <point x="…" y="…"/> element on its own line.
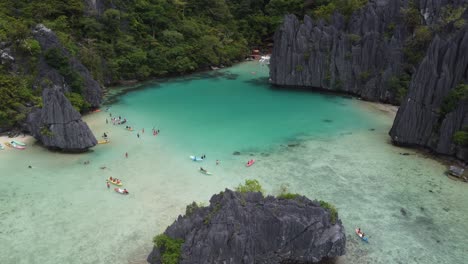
<point x="248" y="228"/>
<point x="420" y="119"/>
<point x="58" y="125"/>
<point x="47" y="75"/>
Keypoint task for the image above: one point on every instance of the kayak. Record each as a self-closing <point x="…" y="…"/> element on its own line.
<point x="96" y="111"/>
<point x="105" y="141"/>
<point x="365" y="239"/>
<point x="118" y="184"/>
<point x="195" y="158"/>
<point x="205" y="172"/>
<point x="121" y="191"/>
<point x="14" y="146"/>
<point x="250" y="163"/>
<point x="19" y="143"/>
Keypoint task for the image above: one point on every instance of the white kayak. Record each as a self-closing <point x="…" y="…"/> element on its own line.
<point x="195" y="158"/>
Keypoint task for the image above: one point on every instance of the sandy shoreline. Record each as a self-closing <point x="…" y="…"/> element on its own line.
<point x="387" y="109"/>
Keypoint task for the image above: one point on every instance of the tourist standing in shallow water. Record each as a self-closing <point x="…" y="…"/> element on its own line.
<point x="126" y="154"/>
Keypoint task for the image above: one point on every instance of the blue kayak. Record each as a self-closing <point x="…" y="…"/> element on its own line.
<point x="195" y="158"/>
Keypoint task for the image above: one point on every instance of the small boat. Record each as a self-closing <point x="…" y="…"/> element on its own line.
<point x="121" y="191"/>
<point x="105" y="141"/>
<point x="205" y="172"/>
<point x="250" y="163"/>
<point x="365" y="239"/>
<point x="19" y="143"/>
<point x="195" y="158"/>
<point x="115" y="183"/>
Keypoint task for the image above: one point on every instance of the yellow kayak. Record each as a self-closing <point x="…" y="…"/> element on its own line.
<point x="115" y="183"/>
<point x="105" y="141"/>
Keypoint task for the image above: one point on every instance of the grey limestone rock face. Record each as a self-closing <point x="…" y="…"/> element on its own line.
<point x="419" y="120"/>
<point x="248" y="228"/>
<point x="58" y="125"/>
<point x="361" y="56"/>
<point x="357" y="57"/>
<point x="92" y="92"/>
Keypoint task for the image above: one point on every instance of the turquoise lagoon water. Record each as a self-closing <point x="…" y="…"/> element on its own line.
<point x="326" y="147"/>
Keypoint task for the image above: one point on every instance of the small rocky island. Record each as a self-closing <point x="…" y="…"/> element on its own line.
<point x="246" y="227"/>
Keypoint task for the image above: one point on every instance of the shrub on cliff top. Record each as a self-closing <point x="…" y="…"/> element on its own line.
<point x="345" y="7"/>
<point x="169" y="247"/>
<point x="332" y="209"/>
<point x="191" y="208"/>
<point x="250" y="186"/>
<point x="289" y="196"/>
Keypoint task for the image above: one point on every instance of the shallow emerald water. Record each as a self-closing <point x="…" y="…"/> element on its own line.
<point x="326" y="147"/>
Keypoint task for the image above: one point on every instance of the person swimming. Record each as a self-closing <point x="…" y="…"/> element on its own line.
<point x="202" y="169"/>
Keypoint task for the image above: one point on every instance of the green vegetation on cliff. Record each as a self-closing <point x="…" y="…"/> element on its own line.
<point x="169" y="247"/>
<point x="250" y="186"/>
<point x="454" y="97"/>
<point x="127" y="40"/>
<point x="461" y="137"/>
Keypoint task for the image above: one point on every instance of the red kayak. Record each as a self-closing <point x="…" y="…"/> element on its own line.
<point x="250" y="163"/>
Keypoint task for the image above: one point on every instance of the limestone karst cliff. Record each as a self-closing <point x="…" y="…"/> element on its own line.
<point x="413" y="53"/>
<point x="249" y="228"/>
